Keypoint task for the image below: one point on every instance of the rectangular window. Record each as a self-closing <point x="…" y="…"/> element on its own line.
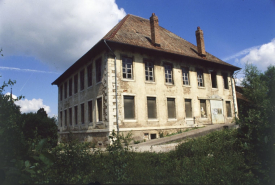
<point x="65" y="90"/>
<point x="89" y="75"/>
<point x="60" y="114"/>
<point x="203" y="108"/>
<point x="82" y="80"/>
<point x="171" y="108"/>
<point x="168" y="73"/>
<point x="75" y="115"/>
<point x="99" y="108"/>
<point x="200" y="77"/>
<point x="75" y="83"/>
<point x="129" y="107"/>
<point x="188" y="108"/>
<point x="70" y="87"/>
<point x="61" y="92"/>
<point x="82" y="113"/>
<point x="65" y="112"/>
<point x="185" y="75"/>
<point x="90" y="111"/>
<point x="149" y="71"/>
<point x="214" y="79"/>
<point x="127" y="68"/>
<point x="228" y="109"/>
<point x="151" y="107"/>
<point x="98" y="69"/>
<point x="225" y="80"/>
<point x="70" y="116"/>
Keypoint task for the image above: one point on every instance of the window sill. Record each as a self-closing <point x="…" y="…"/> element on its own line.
<point x="204" y="118"/>
<point x="215" y="89"/>
<point x="150" y="82"/>
<point x="82" y="90"/>
<point x="89" y="87"/>
<point x="169" y="84"/>
<point x="201" y="87"/>
<point x="226" y="89"/>
<point x="129" y="120"/>
<point x="172" y="119"/>
<point x="189" y="86"/>
<point x="99" y="123"/>
<point x="127" y="80"/>
<point x="149" y="120"/>
<point x="98" y="83"/>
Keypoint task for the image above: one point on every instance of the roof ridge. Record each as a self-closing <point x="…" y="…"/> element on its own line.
<point x="118" y="26"/>
<point x="139" y="17"/>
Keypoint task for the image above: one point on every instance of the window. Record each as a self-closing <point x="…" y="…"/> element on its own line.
<point x="168" y="73"/>
<point x="65" y="89"/>
<point x="75" y="115"/>
<point x="214" y="79"/>
<point x="82" y="113"/>
<point x="60" y="114"/>
<point x="90" y="111"/>
<point x="200" y="77"/>
<point x="203" y="108"/>
<point x="70" y="116"/>
<point x="171" y="108"/>
<point x="228" y="109"/>
<point x="82" y="80"/>
<point x="65" y="111"/>
<point x="127" y="68"/>
<point x="149" y="71"/>
<point x="151" y="107"/>
<point x="99" y="108"/>
<point x="225" y="80"/>
<point x="61" y="92"/>
<point x="185" y="75"/>
<point x="70" y="87"/>
<point x="75" y="83"/>
<point x="98" y="69"/>
<point x="129" y="107"/>
<point x="188" y="108"/>
<point x="89" y="75"/>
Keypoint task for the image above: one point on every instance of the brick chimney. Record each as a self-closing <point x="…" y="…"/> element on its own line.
<point x="200" y="42"/>
<point x="154" y="24"/>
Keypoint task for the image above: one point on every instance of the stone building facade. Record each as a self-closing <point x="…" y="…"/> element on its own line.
<point x="164" y="84"/>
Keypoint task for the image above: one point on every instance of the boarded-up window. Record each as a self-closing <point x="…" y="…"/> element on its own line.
<point x="171" y="108"/>
<point x="60" y="92"/>
<point x="65" y="112"/>
<point x="70" y="116"/>
<point x="82" y="80"/>
<point x="60" y="114"/>
<point x="90" y="111"/>
<point x="98" y="69"/>
<point x="203" y="108"/>
<point x="149" y="71"/>
<point x="185" y="75"/>
<point x="65" y="90"/>
<point x="188" y="108"/>
<point x="228" y="109"/>
<point x="75" y="83"/>
<point x="89" y="75"/>
<point x="168" y="73"/>
<point x="214" y="79"/>
<point x="225" y="80"/>
<point x="200" y="77"/>
<point x="129" y="107"/>
<point x="75" y="115"/>
<point x="99" y="108"/>
<point x="70" y="87"/>
<point x="151" y="107"/>
<point x="127" y="68"/>
<point x="82" y="113"/>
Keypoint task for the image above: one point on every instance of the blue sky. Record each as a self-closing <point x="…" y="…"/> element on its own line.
<point x="41" y="39"/>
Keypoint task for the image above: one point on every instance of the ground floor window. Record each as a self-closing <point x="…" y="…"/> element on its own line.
<point x="60" y="114"/>
<point x="99" y="108"/>
<point x="228" y="109"/>
<point x="129" y="107"/>
<point x="151" y="107"/>
<point x="82" y="113"/>
<point x="188" y="108"/>
<point x="70" y="116"/>
<point x="203" y="108"/>
<point x="90" y="111"/>
<point x="171" y="108"/>
<point x="75" y="115"/>
<point x="65" y="112"/>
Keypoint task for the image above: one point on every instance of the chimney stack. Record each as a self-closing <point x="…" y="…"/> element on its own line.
<point x="154" y="24"/>
<point x="200" y="42"/>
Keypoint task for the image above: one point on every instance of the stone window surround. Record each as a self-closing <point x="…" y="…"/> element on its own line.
<point x="122" y="104"/>
<point x="133" y="67"/>
<point x="152" y="119"/>
<point x="172" y="119"/>
<point x="102" y="111"/>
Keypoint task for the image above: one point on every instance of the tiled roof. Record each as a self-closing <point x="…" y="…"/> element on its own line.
<point x="134" y="30"/>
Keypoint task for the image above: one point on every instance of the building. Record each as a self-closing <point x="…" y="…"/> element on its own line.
<point x="164" y="83"/>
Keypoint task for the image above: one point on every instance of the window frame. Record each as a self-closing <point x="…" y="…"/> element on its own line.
<point x="155" y="106"/>
<point x="175" y="112"/>
<point x="200" y="77"/>
<point x="98" y="69"/>
<point x="76" y="114"/>
<point x="82" y="79"/>
<point x="225" y="81"/>
<point x="166" y="70"/>
<point x="70" y="87"/>
<point x="76" y="83"/>
<point x="185" y="76"/>
<point x="65" y="90"/>
<point x="125" y="68"/>
<point x="99" y="117"/>
<point x="134" y="108"/>
<point x="147" y="65"/>
<point x="90" y="75"/>
<point x="82" y="113"/>
<point x="205" y="109"/>
<point x="90" y="111"/>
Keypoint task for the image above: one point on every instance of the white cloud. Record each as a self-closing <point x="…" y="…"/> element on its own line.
<point x="241" y="53"/>
<point x="30" y="105"/>
<point x="261" y="57"/>
<point x="55" y="32"/>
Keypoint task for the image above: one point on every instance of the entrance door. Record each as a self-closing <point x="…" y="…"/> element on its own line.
<point x="217" y="111"/>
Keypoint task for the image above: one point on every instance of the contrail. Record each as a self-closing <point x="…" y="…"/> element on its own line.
<point x="243" y="52"/>
<point x="26" y="82"/>
<point x="26" y="70"/>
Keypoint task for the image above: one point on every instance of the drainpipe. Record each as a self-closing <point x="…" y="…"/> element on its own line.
<point x="115" y="89"/>
<point x="234" y="95"/>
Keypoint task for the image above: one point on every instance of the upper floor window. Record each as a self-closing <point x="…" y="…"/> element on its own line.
<point x="61" y="91"/>
<point x="200" y="78"/>
<point x="225" y="80"/>
<point x="82" y="80"/>
<point x="98" y="69"/>
<point x="75" y="83"/>
<point x="65" y="90"/>
<point x="149" y="71"/>
<point x="99" y="109"/>
<point x="168" y="73"/>
<point x="214" y="79"/>
<point x="89" y="75"/>
<point x="70" y="86"/>
<point x="185" y="75"/>
<point x="127" y="68"/>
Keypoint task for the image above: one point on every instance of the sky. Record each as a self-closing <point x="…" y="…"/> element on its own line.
<point x="41" y="39"/>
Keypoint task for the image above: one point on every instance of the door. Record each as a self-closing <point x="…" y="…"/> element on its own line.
<point x="217" y="111"/>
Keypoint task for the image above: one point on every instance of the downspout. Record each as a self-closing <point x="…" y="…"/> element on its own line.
<point x="115" y="89"/>
<point x="234" y="95"/>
